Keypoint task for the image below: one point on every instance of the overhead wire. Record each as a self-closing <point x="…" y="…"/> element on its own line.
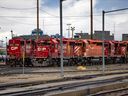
<point x="56" y="16"/>
<point x="20" y="22"/>
<point x="10" y="8"/>
<point x="48" y="13"/>
<point x="53" y="16"/>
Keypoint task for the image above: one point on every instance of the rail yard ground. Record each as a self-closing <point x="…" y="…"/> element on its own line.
<point x="33" y="76"/>
<point x="15" y="74"/>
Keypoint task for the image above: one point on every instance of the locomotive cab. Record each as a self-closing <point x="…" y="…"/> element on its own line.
<point x="42" y="49"/>
<point x="45" y="50"/>
<point x="15" y="51"/>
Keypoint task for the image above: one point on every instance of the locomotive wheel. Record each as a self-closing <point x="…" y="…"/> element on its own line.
<point x="13" y="63"/>
<point x="55" y="62"/>
<point x="69" y="62"/>
<point x="58" y="62"/>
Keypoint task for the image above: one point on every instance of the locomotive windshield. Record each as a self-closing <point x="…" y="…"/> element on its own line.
<point x="123" y="45"/>
<point x="106" y="44"/>
<point x="44" y="43"/>
<point x="78" y="44"/>
<point x="14" y="44"/>
<point x="98" y="43"/>
<point x="72" y="43"/>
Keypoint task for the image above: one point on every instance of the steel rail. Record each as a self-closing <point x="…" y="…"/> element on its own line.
<point x="67" y="71"/>
<point x="63" y="87"/>
<point x="111" y="92"/>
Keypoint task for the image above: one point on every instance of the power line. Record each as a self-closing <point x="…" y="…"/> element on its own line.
<point x="32" y="23"/>
<point x="10" y="8"/>
<point x="48" y="13"/>
<point x="57" y="16"/>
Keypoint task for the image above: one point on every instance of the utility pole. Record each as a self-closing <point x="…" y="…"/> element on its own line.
<point x="103" y="33"/>
<point x="91" y="18"/>
<point x="37" y="19"/>
<point x="103" y="29"/>
<point x="69" y="30"/>
<point x="61" y="39"/>
<point x="72" y="29"/>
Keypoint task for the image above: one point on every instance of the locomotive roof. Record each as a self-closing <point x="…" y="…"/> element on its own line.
<point x="95" y="40"/>
<point x="54" y="41"/>
<point x="84" y="40"/>
<point x="33" y="37"/>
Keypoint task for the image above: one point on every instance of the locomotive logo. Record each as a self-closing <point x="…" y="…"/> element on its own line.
<point x="14" y="48"/>
<point x="41" y="49"/>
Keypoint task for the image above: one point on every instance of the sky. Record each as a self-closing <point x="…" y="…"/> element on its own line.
<point x="20" y="16"/>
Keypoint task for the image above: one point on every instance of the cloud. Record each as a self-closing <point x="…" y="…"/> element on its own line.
<point x="76" y="12"/>
<point x="117" y="24"/>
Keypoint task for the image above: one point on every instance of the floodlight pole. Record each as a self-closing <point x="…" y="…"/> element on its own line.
<point x="61" y="41"/>
<point x="103" y="33"/>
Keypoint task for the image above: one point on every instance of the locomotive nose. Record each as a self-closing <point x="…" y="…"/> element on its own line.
<point x="42" y="52"/>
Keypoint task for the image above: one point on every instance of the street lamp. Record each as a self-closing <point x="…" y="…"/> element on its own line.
<point x="61" y="41"/>
<point x="103" y="28"/>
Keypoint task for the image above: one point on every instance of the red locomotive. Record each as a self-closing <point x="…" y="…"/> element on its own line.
<point x="19" y="49"/>
<point x="46" y="51"/>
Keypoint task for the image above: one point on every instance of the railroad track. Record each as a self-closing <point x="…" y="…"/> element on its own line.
<point x="116" y="92"/>
<point x="7" y="72"/>
<point x="28" y="70"/>
<point x="29" y="91"/>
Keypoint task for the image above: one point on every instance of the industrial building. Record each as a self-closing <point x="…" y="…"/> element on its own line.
<point x="97" y="35"/>
<point x="124" y="37"/>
